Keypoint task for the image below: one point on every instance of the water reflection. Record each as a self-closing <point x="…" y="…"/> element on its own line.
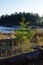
<point x="7" y="29"/>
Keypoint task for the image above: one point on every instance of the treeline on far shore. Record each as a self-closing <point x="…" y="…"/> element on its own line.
<point x="15" y="19"/>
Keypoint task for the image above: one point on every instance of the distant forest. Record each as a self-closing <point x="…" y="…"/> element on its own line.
<point x="15" y="19"/>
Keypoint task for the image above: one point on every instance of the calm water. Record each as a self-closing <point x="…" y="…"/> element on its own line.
<point x="9" y="29"/>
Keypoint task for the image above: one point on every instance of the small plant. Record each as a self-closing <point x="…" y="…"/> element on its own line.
<point x="24" y="35"/>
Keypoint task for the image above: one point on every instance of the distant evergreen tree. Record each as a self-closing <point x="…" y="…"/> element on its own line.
<point x="16" y="18"/>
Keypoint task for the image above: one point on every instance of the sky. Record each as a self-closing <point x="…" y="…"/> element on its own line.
<point x="12" y="6"/>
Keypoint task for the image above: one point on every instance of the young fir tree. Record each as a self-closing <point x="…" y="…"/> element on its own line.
<point x="24" y="34"/>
